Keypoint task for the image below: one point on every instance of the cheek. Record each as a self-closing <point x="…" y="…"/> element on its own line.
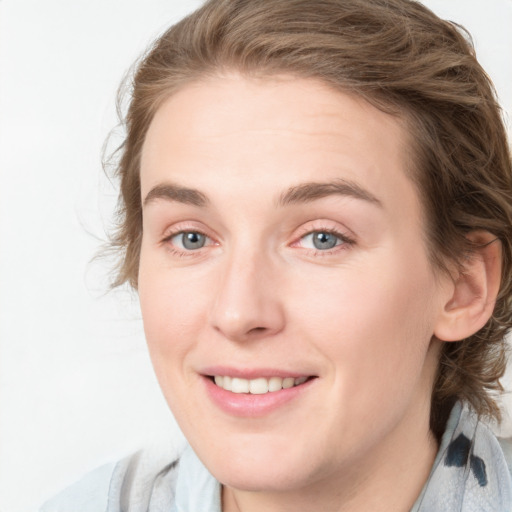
<point x="173" y="317"/>
<point x="372" y="321"/>
<point x="173" y="310"/>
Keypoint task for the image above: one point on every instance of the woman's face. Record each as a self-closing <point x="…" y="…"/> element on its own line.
<point x="283" y="246"/>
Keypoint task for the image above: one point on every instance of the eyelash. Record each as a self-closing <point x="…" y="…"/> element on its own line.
<point x="345" y="242"/>
<point x="180" y="252"/>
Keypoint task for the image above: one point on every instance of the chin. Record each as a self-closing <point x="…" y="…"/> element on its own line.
<point x="262" y="468"/>
<point x="278" y="478"/>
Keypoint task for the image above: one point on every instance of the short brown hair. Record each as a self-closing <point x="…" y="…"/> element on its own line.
<point x="404" y="60"/>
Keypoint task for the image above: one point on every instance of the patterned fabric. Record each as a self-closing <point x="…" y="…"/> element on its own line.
<point x="470" y="474"/>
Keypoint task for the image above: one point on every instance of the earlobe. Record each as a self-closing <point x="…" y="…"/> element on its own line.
<point x="474" y="290"/>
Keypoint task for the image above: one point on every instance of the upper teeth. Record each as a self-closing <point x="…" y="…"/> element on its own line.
<point x="257" y="386"/>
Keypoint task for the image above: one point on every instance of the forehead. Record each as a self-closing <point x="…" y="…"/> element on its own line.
<point x="277" y="133"/>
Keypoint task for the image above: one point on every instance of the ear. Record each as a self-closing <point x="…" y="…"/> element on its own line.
<point x="474" y="290"/>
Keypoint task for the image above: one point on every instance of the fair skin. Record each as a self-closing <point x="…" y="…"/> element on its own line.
<point x="282" y="238"/>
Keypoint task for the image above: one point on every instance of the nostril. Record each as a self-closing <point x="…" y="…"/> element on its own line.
<point x="257" y="329"/>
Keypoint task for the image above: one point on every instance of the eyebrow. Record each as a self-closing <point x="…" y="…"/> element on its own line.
<point x="307" y="192"/>
<point x="303" y="193"/>
<point x="172" y="192"/>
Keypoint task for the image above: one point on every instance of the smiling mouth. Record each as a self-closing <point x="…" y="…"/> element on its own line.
<point x="258" y="386"/>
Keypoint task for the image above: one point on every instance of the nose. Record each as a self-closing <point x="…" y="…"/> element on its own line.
<point x="247" y="303"/>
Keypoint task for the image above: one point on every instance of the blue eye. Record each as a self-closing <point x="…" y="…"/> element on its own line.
<point x="322" y="240"/>
<point x="189" y="240"/>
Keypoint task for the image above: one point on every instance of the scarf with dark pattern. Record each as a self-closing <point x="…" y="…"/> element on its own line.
<point x="470" y="473"/>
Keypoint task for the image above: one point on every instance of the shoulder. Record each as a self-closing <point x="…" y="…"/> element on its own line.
<point x="90" y="493"/>
<point x="131" y="484"/>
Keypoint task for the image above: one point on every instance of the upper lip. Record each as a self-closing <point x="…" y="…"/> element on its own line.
<point x="252" y="373"/>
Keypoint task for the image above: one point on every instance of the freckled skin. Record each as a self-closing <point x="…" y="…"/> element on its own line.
<point x="259" y="293"/>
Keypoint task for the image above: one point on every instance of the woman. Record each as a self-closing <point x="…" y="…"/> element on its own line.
<point x="315" y="211"/>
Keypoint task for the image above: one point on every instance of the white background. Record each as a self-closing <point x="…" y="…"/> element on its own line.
<point x="76" y="387"/>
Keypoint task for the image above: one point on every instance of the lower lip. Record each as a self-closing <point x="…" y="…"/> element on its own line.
<point x="248" y="405"/>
